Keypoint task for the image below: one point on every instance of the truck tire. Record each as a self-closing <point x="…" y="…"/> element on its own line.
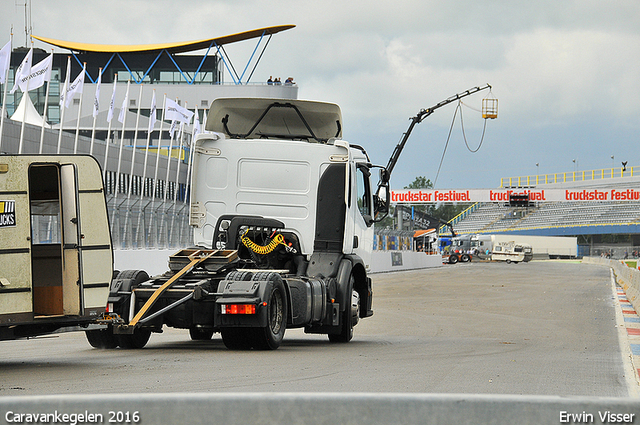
<point x="140" y="336"/>
<point x="137" y="340"/>
<point x="237" y="338"/>
<point x="453" y="259"/>
<point x="465" y="258"/>
<point x="348" y="317"/>
<point x="102" y="338"/>
<point x="270" y="337"/>
<point x="200" y="334"/>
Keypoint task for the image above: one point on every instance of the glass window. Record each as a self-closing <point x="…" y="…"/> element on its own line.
<point x="364" y="192"/>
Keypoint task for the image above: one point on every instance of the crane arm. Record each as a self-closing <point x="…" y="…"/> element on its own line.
<point x="424" y="113"/>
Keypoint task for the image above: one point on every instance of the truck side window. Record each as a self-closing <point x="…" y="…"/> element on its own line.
<point x="364" y="191"/>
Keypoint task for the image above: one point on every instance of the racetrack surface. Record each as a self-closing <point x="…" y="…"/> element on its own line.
<point x="538" y="328"/>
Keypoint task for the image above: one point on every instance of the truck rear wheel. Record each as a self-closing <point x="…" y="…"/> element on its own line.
<point x="102" y="338"/>
<point x="200" y="334"/>
<point x="270" y="336"/>
<point x="236" y="338"/>
<point x="138" y="339"/>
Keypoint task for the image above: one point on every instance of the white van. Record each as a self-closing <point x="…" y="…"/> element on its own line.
<point x="512" y="252"/>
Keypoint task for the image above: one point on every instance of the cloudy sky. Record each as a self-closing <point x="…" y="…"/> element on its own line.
<point x="566" y="73"/>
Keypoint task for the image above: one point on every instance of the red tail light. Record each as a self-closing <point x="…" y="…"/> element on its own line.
<point x="238" y="308"/>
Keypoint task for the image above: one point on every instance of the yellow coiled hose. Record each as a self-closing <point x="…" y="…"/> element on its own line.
<point x="259" y="249"/>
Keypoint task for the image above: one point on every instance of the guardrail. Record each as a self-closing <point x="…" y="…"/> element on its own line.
<point x="318" y="409"/>
<point x="567" y="176"/>
<point x="628" y="278"/>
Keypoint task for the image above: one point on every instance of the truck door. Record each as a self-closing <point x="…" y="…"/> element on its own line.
<point x="363" y="214"/>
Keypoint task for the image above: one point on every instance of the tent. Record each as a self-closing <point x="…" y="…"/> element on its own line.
<point x="424" y="240"/>
<point x="32" y="116"/>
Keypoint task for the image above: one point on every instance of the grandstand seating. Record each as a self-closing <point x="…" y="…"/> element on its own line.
<point x="559" y="218"/>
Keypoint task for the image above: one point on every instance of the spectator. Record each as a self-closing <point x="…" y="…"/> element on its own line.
<point x="289" y="81"/>
<point x="270" y="80"/>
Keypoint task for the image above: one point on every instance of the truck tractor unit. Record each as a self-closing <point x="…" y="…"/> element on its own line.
<point x="56" y="260"/>
<point x="282" y="211"/>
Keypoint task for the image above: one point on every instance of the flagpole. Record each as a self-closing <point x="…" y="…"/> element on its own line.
<point x="75" y="143"/>
<point x="63" y="95"/>
<point x="6" y="84"/>
<point x="191" y="147"/>
<point x="170" y="152"/>
<point x="44" y="112"/>
<point x="25" y="93"/>
<point x="175" y="194"/>
<point x="109" y="118"/>
<point x="146" y="157"/>
<point x="135" y="140"/>
<point x="124" y="120"/>
<point x="155" y="173"/>
<point x="96" y="109"/>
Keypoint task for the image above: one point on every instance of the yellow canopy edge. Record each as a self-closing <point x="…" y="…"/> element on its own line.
<point x="181" y="47"/>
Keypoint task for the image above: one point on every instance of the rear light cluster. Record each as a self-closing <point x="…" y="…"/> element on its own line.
<point x="238" y="308"/>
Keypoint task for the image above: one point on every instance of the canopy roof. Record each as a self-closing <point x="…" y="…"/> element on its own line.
<point x="419" y="233"/>
<point x="180" y="47"/>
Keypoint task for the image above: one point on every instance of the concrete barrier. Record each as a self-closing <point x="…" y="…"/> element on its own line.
<point x="627" y="277"/>
<point x="317" y="409"/>
<point x="155" y="261"/>
<point x="390" y="261"/>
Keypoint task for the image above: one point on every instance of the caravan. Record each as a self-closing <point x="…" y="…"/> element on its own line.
<point x="512" y="252"/>
<point x="56" y="261"/>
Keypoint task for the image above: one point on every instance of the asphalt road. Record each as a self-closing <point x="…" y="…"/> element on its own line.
<point x="541" y="328"/>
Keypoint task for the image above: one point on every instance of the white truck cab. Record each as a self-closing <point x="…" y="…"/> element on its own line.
<point x="282" y="210"/>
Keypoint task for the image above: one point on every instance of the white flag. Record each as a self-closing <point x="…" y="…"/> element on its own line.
<point x="123" y="110"/>
<point x="172" y="129"/>
<point x="196" y="124"/>
<point x="76" y="87"/>
<point x="5" y="61"/>
<point x="173" y="111"/>
<point x="152" y="116"/>
<point x="96" y="100"/>
<point x="112" y="104"/>
<point x="40" y="73"/>
<point x="23" y="70"/>
<point x="63" y="91"/>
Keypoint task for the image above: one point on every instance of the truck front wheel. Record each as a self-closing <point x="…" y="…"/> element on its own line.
<point x="349" y="316"/>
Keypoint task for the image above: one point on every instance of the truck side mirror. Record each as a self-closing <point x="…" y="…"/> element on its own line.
<point x="381" y="201"/>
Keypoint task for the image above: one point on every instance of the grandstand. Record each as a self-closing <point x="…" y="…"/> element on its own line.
<point x="574" y="218"/>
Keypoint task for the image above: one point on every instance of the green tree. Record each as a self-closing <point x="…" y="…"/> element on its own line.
<point x="443" y="211"/>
